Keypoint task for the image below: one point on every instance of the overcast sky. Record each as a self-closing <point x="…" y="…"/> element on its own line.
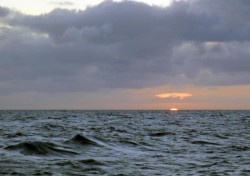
<point x="125" y="55"/>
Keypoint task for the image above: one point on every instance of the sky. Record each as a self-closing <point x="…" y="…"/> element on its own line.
<point x="94" y="54"/>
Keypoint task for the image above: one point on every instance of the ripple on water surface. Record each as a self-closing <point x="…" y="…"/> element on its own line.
<point x="124" y="143"/>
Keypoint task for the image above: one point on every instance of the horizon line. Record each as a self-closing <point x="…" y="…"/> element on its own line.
<point x="123" y="109"/>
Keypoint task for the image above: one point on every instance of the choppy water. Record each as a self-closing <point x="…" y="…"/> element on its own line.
<point x="124" y="143"/>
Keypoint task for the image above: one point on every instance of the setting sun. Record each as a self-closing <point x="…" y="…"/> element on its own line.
<point x="173" y="109"/>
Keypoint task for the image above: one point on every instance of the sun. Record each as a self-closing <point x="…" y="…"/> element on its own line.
<point x="173" y="109"/>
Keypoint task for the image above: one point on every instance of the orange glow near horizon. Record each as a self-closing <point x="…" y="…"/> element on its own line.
<point x="173" y="109"/>
<point x="181" y="96"/>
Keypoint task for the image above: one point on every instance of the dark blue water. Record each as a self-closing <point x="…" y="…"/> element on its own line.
<point x="125" y="143"/>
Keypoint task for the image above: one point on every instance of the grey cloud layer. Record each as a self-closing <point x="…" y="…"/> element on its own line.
<point x="4" y="12"/>
<point x="126" y="45"/>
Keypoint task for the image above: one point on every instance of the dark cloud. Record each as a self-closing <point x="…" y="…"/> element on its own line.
<point x="126" y="45"/>
<point x="4" y="11"/>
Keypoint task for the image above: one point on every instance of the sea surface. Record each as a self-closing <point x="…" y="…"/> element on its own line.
<point x="125" y="143"/>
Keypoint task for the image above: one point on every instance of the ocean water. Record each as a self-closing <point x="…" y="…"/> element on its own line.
<point x="125" y="143"/>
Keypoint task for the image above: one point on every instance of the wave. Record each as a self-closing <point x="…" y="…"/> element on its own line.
<point x="49" y="148"/>
<point x="91" y="162"/>
<point x="204" y="143"/>
<point x="38" y="148"/>
<point x="17" y="134"/>
<point x="240" y="148"/>
<point x="84" y="140"/>
<point x="159" y="134"/>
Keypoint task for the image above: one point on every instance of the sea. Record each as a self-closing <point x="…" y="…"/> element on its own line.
<point x="124" y="143"/>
